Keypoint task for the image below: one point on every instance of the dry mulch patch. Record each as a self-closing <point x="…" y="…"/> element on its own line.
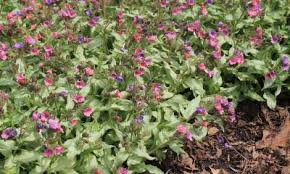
<point x="258" y="143"/>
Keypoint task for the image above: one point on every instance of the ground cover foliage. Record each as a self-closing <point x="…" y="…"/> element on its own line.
<point x="108" y="86"/>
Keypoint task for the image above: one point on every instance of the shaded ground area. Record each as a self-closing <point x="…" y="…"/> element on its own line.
<point x="258" y="143"/>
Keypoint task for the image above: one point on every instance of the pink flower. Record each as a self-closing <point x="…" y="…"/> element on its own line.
<point x="164" y="3"/>
<point x="270" y="75"/>
<point x="54" y="35"/>
<point x="54" y="124"/>
<point x="176" y="10"/>
<point x="93" y="21"/>
<point x="181" y="129"/>
<point x="34" y="51"/>
<point x="201" y="67"/>
<point x="210" y="74"/>
<point x="58" y="150"/>
<point x="78" y="98"/>
<point x="194" y="26"/>
<point x="48" y="153"/>
<point x="48" y="81"/>
<point x="35" y="116"/>
<point x="87" y="112"/>
<point x="203" y="10"/>
<point x="3" y="51"/>
<point x="238" y="58"/>
<point x="89" y="71"/>
<point x="29" y="40"/>
<point x="73" y="122"/>
<point x="21" y="79"/>
<point x="122" y="170"/>
<point x="170" y="35"/>
<point x="139" y="72"/>
<point x="151" y="38"/>
<point x="44" y="116"/>
<point x="189" y="136"/>
<point x="217" y="53"/>
<point x="80" y="84"/>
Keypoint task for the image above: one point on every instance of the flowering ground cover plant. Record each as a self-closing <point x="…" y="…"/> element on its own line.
<point x="90" y="86"/>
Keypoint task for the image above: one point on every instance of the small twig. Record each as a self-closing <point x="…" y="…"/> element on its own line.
<point x="236" y="150"/>
<point x="244" y="170"/>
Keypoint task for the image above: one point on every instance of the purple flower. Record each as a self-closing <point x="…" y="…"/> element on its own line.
<point x="275" y="39"/>
<point x="63" y="93"/>
<point x="212" y="34"/>
<point x="48" y="2"/>
<point x="8" y="133"/>
<point x="209" y="1"/>
<point x="89" y="12"/>
<point x="93" y="21"/>
<point x="270" y="75"/>
<point x="200" y="110"/>
<point x="139" y="119"/>
<point x="18" y="45"/>
<point x="285" y="63"/>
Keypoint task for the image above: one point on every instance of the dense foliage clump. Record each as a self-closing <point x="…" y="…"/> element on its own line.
<point x="104" y="87"/>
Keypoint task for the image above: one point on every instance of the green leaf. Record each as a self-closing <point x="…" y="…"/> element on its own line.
<point x="134" y="160"/>
<point x="254" y="95"/>
<point x="268" y="83"/>
<point x="21" y="66"/>
<point x="7" y="82"/>
<point x="195" y="85"/>
<point x="199" y="133"/>
<point x="177" y="148"/>
<point x="86" y="90"/>
<point x="170" y="72"/>
<point x="153" y="169"/>
<point x="27" y="156"/>
<point x="271" y="100"/>
<point x="191" y="107"/>
<point x="142" y="153"/>
<point x="7" y="146"/>
<point x="70" y="104"/>
<point x="61" y="164"/>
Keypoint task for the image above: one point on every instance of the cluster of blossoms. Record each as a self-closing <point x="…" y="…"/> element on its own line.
<point x="222" y="105"/>
<point x="255" y="9"/>
<point x="89" y="62"/>
<point x="238" y="58"/>
<point x="142" y="62"/>
<point x="257" y="39"/>
<point x="202" y="67"/>
<point x="3" y="51"/>
<point x="182" y="130"/>
<point x="50" y="152"/>
<point x="156" y="90"/>
<point x="8" y="133"/>
<point x="44" y="121"/>
<point x="214" y="43"/>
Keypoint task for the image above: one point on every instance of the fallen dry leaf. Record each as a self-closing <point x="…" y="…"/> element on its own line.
<point x="204" y="172"/>
<point x="212" y="131"/>
<point x="188" y="162"/>
<point x="266" y="140"/>
<point x="274" y="141"/>
<point x="218" y="171"/>
<point x="286" y="170"/>
<point x="283" y="137"/>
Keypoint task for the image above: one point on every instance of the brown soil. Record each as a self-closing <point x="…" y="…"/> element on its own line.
<point x="258" y="143"/>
